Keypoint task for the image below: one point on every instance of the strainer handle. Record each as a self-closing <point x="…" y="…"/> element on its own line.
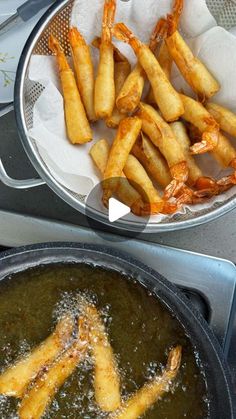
<point x="4" y="178"/>
<point x="18" y="184"/>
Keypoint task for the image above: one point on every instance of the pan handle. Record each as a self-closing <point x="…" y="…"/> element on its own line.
<point x="4" y="178"/>
<point x="18" y="184"/>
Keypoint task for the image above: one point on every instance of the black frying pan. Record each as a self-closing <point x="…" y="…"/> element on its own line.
<point x="216" y="370"/>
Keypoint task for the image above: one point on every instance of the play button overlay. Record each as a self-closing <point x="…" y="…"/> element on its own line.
<point x="117" y="210"/>
<point x="117" y="218"/>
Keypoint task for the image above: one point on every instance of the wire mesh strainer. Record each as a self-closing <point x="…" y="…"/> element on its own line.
<point x="56" y="21"/>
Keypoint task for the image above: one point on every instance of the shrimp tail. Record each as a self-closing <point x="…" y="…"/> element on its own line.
<point x="123" y="33"/>
<point x="206" y="183"/>
<point x="54" y="45"/>
<point x="190" y="197"/>
<point x="179" y="173"/>
<point x="118" y="56"/>
<point x="174" y="18"/>
<point x="96" y="43"/>
<point x="108" y="20"/>
<point x="56" y="48"/>
<point x="76" y="38"/>
<point x="173" y="189"/>
<point x="170" y="207"/>
<point x="154" y="208"/>
<point x="209" y="141"/>
<point x="159" y="34"/>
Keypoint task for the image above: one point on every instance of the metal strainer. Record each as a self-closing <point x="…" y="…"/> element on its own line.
<point x="56" y="21"/>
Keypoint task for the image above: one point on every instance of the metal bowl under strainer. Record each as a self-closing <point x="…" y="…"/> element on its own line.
<point x="56" y="21"/>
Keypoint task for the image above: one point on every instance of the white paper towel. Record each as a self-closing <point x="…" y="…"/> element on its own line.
<point x="71" y="165"/>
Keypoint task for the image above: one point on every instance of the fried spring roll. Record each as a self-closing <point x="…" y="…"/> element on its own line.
<point x="164" y="58"/>
<point x="135" y="173"/>
<point x="100" y="154"/>
<point x="122" y="71"/>
<point x="182" y="137"/>
<point x="165" y="61"/>
<point x="84" y="70"/>
<point x="166" y="97"/>
<point x="128" y="132"/>
<point x="193" y="70"/>
<point x="131" y="92"/>
<point x="152" y="160"/>
<point x="105" y="83"/>
<point x="225" y="118"/>
<point x="138" y="404"/>
<point x="224" y="152"/>
<point x="78" y="129"/>
<point x="14" y="381"/>
<point x="162" y="136"/>
<point x="51" y="379"/>
<point x="196" y="114"/>
<point x="106" y="375"/>
<point x="125" y="192"/>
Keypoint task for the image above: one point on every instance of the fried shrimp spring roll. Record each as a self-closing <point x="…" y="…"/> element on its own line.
<point x="125" y="192"/>
<point x="182" y="137"/>
<point x="105" y="83"/>
<point x="193" y="70"/>
<point x="106" y="375"/>
<point x="166" y="97"/>
<point x="128" y="132"/>
<point x="196" y="114"/>
<point x="84" y="70"/>
<point x="151" y="392"/>
<point x="122" y="70"/>
<point x="164" y="58"/>
<point x="15" y="379"/>
<point x="131" y="93"/>
<point x="165" y="61"/>
<point x="135" y="172"/>
<point x="225" y="154"/>
<point x="152" y="160"/>
<point x="100" y="154"/>
<point x="78" y="129"/>
<point x="225" y="118"/>
<point x="206" y="185"/>
<point x="51" y="379"/>
<point x="162" y="136"/>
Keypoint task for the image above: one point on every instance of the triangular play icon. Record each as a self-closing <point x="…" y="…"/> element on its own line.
<point x="117" y="210"/>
